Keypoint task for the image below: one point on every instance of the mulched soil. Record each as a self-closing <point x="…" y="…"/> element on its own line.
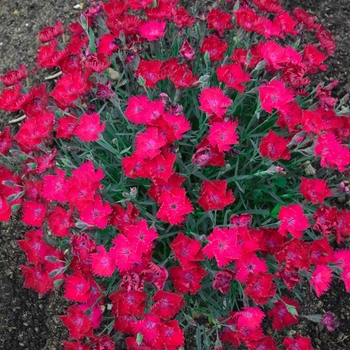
<point x="31" y="322"/>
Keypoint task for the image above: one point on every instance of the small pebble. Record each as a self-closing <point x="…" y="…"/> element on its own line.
<point x="340" y="337"/>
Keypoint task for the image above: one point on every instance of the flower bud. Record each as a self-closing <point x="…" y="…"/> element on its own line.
<point x="344" y="186"/>
<point x="275" y="169"/>
<point x="81" y="225"/>
<point x="133" y="192"/>
<point x="13" y="197"/>
<point x="52" y="258"/>
<point x="9" y="183"/>
<point x="57" y="272"/>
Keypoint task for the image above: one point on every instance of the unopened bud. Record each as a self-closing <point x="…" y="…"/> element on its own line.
<point x="141" y="81"/>
<point x="344" y="186"/>
<point x="9" y="183"/>
<point x="52" y="258"/>
<point x="81" y="225"/>
<point x="344" y="100"/>
<point x="261" y="65"/>
<point x="133" y="192"/>
<point x="297" y="138"/>
<point x="55" y="273"/>
<point x="276" y="169"/>
<point x="13" y="197"/>
<point x="15" y="152"/>
<point x="203" y="79"/>
<point x="309" y="169"/>
<point x="203" y="238"/>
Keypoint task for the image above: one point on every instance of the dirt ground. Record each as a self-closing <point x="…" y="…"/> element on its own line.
<point x="30" y="322"/>
<point x="27" y="322"/>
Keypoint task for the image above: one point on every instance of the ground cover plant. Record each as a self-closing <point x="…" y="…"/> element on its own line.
<point x="171" y="172"/>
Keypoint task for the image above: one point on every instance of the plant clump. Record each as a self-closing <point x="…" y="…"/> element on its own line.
<point x="181" y="167"/>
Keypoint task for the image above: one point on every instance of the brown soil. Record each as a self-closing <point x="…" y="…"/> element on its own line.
<point x="31" y="322"/>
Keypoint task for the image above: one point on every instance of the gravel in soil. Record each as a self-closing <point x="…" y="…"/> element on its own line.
<point x="30" y="321"/>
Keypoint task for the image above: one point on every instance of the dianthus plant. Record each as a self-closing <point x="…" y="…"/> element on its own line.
<point x="180" y="169"/>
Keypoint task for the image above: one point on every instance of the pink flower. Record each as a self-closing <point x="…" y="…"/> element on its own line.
<point x="89" y="127"/>
<point x="223" y="245"/>
<point x="149" y="327"/>
<point x="333" y="152"/>
<point x="219" y="21"/>
<point x="152" y="30"/>
<point x="233" y="76"/>
<point x="124" y="253"/>
<point x="149" y="143"/>
<point x="293" y="220"/>
<point x="150" y="72"/>
<point x="187" y="279"/>
<point x="274" y="147"/>
<point x="5" y="209"/>
<point x="78" y="324"/>
<point x="274" y="95"/>
<point x="175" y="206"/>
<point x="215" y="196"/>
<point x="48" y="34"/>
<point x="214" y="101"/>
<point x="298" y="343"/>
<point x="167" y="304"/>
<point x="315" y="190"/>
<point x="128" y="303"/>
<point x="107" y="45"/>
<point x="35" y="247"/>
<point x="250" y="317"/>
<point x="321" y="279"/>
<point x="137" y="107"/>
<point x="37" y="278"/>
<point x="223" y="135"/>
<point x="60" y="221"/>
<point x="186" y="250"/>
<point x="96" y="213"/>
<point x="281" y="313"/>
<point x="77" y="288"/>
<point x="215" y="47"/>
<point x="33" y="213"/>
<point x="66" y="127"/>
<point x="55" y="186"/>
<point x="102" y="262"/>
<point x="260" y="287"/>
<point x="12" y="77"/>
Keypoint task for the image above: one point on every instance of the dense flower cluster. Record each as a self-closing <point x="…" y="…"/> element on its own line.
<point x="164" y="174"/>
